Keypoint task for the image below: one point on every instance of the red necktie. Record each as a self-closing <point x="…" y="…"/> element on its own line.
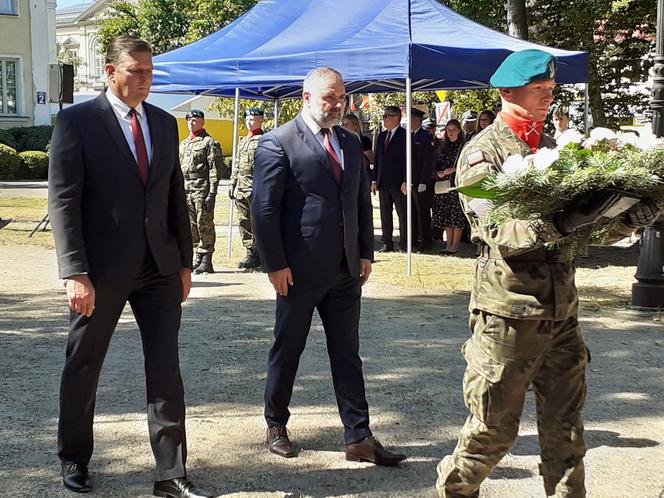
<point x="387" y="141"/>
<point x="335" y="164"/>
<point x="141" y="151"/>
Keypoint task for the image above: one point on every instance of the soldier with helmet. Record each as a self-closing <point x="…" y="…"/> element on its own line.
<point x="242" y="181"/>
<point x="201" y="160"/>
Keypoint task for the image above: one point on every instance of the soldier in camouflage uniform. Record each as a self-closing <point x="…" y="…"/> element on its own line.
<point x="523" y="305"/>
<point x="242" y="181"/>
<point x="201" y="160"/>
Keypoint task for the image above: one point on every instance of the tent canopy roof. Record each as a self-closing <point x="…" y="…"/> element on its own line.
<point x="375" y="44"/>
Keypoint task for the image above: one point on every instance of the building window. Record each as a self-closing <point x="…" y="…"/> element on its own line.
<point x="8" y="86"/>
<point x="9" y="7"/>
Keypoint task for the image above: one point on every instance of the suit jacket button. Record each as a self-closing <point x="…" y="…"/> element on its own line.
<point x="341" y="223"/>
<point x="147" y="219"/>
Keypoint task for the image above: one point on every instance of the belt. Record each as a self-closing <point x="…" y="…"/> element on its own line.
<point x="539" y="255"/>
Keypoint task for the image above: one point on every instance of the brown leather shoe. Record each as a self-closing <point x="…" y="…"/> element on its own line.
<point x="278" y="442"/>
<point x="370" y="450"/>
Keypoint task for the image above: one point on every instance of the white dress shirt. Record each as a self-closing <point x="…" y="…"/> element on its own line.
<point x="122" y="114"/>
<point x="317" y="131"/>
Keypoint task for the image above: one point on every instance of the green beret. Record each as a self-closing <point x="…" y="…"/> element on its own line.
<point x="523" y="67"/>
<point x="254" y="111"/>
<point x="195" y="113"/>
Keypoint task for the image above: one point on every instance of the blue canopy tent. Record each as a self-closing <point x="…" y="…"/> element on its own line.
<point x="375" y="44"/>
<point x="378" y="46"/>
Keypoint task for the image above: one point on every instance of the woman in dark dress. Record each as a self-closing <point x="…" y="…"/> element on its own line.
<point x="447" y="212"/>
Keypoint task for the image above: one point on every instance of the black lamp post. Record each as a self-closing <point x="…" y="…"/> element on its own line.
<point x="648" y="291"/>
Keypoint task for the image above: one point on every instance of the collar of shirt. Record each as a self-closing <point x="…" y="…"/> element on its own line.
<point x="121" y="108"/>
<point x="316" y="130"/>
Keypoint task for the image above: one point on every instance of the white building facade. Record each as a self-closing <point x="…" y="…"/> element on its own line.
<point x="28" y="47"/>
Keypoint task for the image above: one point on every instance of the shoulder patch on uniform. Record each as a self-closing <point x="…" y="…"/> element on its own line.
<point x="475" y="158"/>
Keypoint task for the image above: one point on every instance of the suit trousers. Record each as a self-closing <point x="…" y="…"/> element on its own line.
<point x="389" y="197"/>
<point x="421" y="216"/>
<point x="156" y="303"/>
<point x="338" y="305"/>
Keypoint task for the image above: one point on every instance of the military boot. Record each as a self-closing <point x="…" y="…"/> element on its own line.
<point x="197" y="260"/>
<point x="206" y="265"/>
<point x="251" y="261"/>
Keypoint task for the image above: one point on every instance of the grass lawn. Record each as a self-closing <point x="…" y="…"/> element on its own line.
<point x="603" y="280"/>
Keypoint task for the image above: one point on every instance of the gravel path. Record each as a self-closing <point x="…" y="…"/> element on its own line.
<point x="410" y="347"/>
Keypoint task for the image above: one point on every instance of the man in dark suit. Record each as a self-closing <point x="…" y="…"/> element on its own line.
<point x="312" y="215"/>
<point x="389" y="177"/>
<point x="119" y="217"/>
<point x="422" y="183"/>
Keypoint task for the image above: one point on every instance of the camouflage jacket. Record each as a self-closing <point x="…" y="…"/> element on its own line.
<point x="201" y="161"/>
<point x="243" y="174"/>
<point x="518" y="274"/>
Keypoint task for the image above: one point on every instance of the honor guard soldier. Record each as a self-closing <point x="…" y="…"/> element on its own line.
<point x="242" y="182"/>
<point x="201" y="160"/>
<point x="523" y="304"/>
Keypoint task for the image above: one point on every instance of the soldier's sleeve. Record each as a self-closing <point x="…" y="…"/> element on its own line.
<point x="510" y="238"/>
<point x="215" y="161"/>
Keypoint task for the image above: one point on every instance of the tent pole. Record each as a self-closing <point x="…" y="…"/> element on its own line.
<point x="276" y="113"/>
<point x="236" y="111"/>
<point x="586" y="101"/>
<point x="409" y="178"/>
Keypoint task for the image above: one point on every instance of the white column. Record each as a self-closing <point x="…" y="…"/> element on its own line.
<point x="42" y="37"/>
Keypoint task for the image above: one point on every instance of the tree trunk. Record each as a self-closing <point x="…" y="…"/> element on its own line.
<point x="517" y="21"/>
<point x="596" y="102"/>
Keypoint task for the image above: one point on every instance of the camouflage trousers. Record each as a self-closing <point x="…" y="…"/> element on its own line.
<point x="504" y="357"/>
<point x="245" y="222"/>
<point x="202" y="224"/>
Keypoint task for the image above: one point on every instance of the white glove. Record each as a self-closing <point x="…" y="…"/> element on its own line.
<point x="421" y="188"/>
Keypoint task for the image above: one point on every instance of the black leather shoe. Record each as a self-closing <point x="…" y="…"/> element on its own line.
<point x="370" y="450"/>
<point x="76" y="478"/>
<point x="386" y="248"/>
<point x="278" y="441"/>
<point x="180" y="487"/>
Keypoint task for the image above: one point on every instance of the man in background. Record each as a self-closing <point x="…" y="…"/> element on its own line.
<point x="469" y="125"/>
<point x="422" y="183"/>
<point x="242" y="182"/>
<point x="352" y="122"/>
<point x="201" y="160"/>
<point x="388" y="177"/>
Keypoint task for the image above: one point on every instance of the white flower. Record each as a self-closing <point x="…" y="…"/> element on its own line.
<point x="649" y="141"/>
<point x="544" y="158"/>
<point x="568" y="137"/>
<point x="603" y="134"/>
<point x="515" y="165"/>
<point x="628" y="139"/>
<point x="597" y="135"/>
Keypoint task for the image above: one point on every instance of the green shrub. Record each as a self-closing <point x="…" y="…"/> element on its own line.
<point x="7" y="138"/>
<point x="10" y="163"/>
<point x="32" y="137"/>
<point x="36" y="163"/>
<point x="227" y="167"/>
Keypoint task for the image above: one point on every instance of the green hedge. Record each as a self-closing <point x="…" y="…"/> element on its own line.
<point x="35" y="163"/>
<point x="10" y="163"/>
<point x="30" y="138"/>
<point x="7" y="138"/>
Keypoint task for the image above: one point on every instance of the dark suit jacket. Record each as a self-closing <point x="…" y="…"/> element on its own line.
<point x="422" y="163"/>
<point x="390" y="165"/>
<point x="303" y="218"/>
<point x="103" y="217"/>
